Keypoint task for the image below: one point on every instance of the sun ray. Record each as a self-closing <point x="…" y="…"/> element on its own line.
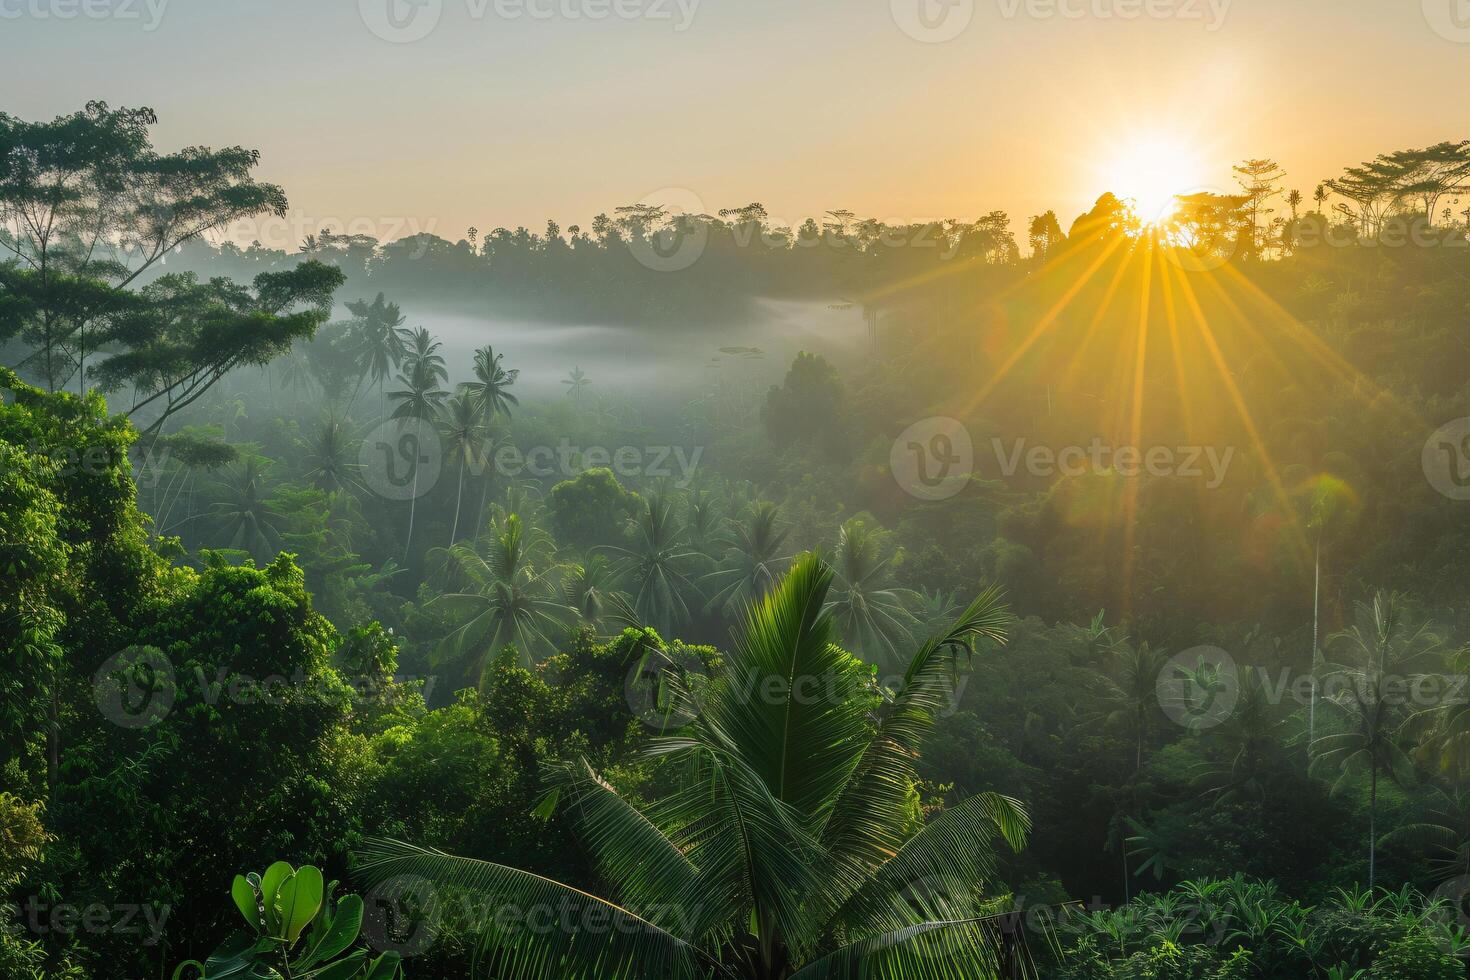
<point x="1171" y="317"/>
<point x="1314" y="346"/>
<point x="1135" y="428"/>
<point x="1042" y="325"/>
<point x="1079" y="361"/>
<point x="1268" y="465"/>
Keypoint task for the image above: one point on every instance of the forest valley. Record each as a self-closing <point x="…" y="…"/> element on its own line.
<point x="1104" y="616"/>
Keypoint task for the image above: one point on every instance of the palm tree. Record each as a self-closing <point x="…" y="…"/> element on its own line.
<point x="703" y="523"/>
<point x="1247" y="745"/>
<point x="1134" y="696"/>
<point x="422" y="399"/>
<point x="492" y="383"/>
<point x="1443" y="730"/>
<point x="752" y="561"/>
<point x="380" y="341"/>
<point x="871" y="616"/>
<point x="510" y="600"/>
<point x="464" y="430"/>
<point x="331" y="457"/>
<point x="657" y="565"/>
<point x="1370" y="706"/>
<point x="789" y="852"/>
<point x="242" y="514"/>
<point x="422" y="353"/>
<point x="1326" y="503"/>
<point x="589" y="589"/>
<point x="491" y="390"/>
<point x="1135" y="693"/>
<point x="522" y="498"/>
<point x="576" y="384"/>
<point x="1445" y="829"/>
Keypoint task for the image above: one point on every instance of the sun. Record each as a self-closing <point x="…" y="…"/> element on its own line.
<point x="1150" y="171"/>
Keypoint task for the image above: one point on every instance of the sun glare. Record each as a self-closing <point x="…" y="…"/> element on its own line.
<point x="1150" y="172"/>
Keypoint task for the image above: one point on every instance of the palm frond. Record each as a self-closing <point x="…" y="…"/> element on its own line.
<point x="605" y="941"/>
<point x="954" y="847"/>
<point x="793" y="703"/>
<point x="652" y="876"/>
<point x="971" y="949"/>
<point x="866" y="818"/>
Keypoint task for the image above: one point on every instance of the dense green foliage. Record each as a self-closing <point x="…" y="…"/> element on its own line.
<point x="291" y="579"/>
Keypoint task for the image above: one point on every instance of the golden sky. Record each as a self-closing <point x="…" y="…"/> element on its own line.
<point x="507" y="112"/>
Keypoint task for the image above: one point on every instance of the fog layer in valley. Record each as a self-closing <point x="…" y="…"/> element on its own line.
<point x="625" y="360"/>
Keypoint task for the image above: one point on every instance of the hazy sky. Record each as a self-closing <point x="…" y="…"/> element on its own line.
<point x="510" y="111"/>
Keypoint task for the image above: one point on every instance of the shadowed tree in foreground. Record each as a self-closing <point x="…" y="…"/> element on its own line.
<point x="788" y="850"/>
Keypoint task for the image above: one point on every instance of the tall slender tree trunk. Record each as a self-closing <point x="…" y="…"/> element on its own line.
<point x="458" y="496"/>
<point x="356" y="390"/>
<point x="484" y="499"/>
<point x="1316" y="607"/>
<point x="1372" y="826"/>
<point x="413" y="505"/>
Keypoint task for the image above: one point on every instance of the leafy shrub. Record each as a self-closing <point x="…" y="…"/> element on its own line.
<point x="1211" y="930"/>
<point x="1416" y="957"/>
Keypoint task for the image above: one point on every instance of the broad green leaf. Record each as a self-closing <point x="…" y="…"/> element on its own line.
<point x="348" y="966"/>
<point x="247" y="901"/>
<point x="319" y="928"/>
<point x="337" y="936"/>
<point x="270" y="886"/>
<point x="385" y="967"/>
<point x="300" y="899"/>
<point x="234" y="959"/>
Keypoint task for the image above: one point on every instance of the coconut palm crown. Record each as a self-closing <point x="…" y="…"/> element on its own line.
<point x="789" y="849"/>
